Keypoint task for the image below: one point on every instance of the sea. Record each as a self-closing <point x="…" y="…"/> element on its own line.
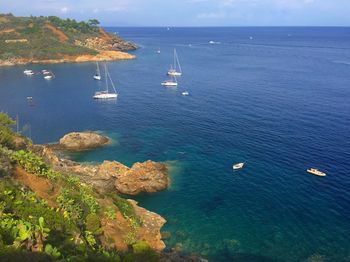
<point x="275" y="98"/>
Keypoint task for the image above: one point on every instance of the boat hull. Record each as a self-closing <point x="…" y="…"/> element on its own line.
<point x="238" y="166"/>
<point x="174" y="74"/>
<point x="169" y="84"/>
<point x="316" y="172"/>
<point x="105" y="96"/>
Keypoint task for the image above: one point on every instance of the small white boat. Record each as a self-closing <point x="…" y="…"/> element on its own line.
<point x="97" y="77"/>
<point x="158" y="51"/>
<point x="238" y="166"/>
<point x="185" y="93"/>
<point x="48" y="77"/>
<point x="316" y="172"/>
<point x="28" y="72"/>
<point x="169" y="82"/>
<point x="214" y="43"/>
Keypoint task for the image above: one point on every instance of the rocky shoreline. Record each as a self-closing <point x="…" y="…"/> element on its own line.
<point x="101" y="56"/>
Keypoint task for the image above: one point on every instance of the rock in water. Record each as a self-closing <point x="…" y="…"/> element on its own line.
<point x="79" y="141"/>
<point x="146" y="177"/>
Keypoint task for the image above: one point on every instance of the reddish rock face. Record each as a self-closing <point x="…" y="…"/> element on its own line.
<point x="147" y="177"/>
<point x="79" y="141"/>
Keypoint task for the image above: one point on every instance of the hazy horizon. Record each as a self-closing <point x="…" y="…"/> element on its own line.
<point x="191" y="13"/>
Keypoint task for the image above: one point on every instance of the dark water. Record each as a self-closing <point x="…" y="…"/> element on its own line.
<point x="279" y="102"/>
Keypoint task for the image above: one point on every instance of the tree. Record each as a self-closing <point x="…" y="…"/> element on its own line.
<point x="93" y="22"/>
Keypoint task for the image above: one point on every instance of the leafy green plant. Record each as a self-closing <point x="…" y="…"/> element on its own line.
<point x="52" y="251"/>
<point x="30" y="162"/>
<point x="110" y="213"/>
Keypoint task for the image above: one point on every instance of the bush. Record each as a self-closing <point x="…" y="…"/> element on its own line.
<point x="6" y="134"/>
<point x="93" y="224"/>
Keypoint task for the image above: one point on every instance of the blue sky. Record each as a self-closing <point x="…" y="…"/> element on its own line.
<point x="190" y="12"/>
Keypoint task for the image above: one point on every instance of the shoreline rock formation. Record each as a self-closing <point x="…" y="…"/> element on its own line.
<point x="109" y="176"/>
<point x="80" y="141"/>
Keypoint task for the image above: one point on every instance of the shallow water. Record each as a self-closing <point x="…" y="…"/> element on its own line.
<point x="280" y="102"/>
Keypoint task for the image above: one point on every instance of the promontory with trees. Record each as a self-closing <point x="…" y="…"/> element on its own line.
<point x="50" y="39"/>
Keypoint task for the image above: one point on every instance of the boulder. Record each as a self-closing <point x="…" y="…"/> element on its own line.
<point x="79" y="141"/>
<point x="146" y="177"/>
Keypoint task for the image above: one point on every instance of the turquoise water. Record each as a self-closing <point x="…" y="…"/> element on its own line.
<point x="279" y="102"/>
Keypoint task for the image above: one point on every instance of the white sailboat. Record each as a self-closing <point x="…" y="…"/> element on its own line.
<point x="97" y="76"/>
<point x="106" y="94"/>
<point x="170" y="82"/>
<point x="173" y="69"/>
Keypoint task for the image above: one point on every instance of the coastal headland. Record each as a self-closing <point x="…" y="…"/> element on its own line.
<point x="51" y="40"/>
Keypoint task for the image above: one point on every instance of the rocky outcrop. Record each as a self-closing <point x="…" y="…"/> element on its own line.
<point x="146" y="177"/>
<point x="151" y="224"/>
<point x="79" y="141"/>
<point x="112" y="43"/>
<point x="110" y="176"/>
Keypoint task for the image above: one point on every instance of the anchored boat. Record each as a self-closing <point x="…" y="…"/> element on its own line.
<point x="316" y="172"/>
<point x="238" y="166"/>
<point x="173" y="69"/>
<point x="106" y="94"/>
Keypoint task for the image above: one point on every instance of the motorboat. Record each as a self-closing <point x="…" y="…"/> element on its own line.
<point x="315" y="172"/>
<point x="185" y="93"/>
<point x="28" y="72"/>
<point x="238" y="166"/>
<point x="169" y="82"/>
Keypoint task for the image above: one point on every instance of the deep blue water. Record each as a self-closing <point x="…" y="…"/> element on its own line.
<point x="279" y="102"/>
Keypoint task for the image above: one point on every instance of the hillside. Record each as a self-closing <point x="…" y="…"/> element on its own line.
<point x="50" y="214"/>
<point x="53" y="40"/>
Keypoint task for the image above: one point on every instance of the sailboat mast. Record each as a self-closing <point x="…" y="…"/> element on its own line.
<point x="98" y="69"/>
<point x="178" y="63"/>
<point x="106" y="77"/>
<point x="175" y="59"/>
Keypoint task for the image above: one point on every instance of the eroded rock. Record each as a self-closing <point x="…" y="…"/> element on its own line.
<point x="146" y="177"/>
<point x="79" y="141"/>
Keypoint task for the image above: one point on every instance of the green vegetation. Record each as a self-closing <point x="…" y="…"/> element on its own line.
<point x="44" y="37"/>
<point x="66" y="226"/>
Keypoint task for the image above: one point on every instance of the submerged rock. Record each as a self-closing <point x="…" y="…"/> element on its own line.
<point x="79" y="141"/>
<point x="146" y="177"/>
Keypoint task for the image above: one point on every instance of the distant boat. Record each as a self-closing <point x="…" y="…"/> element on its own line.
<point x="28" y="72"/>
<point x="175" y="70"/>
<point x="214" y="43"/>
<point x="238" y="166"/>
<point x="158" y="51"/>
<point x="316" y="172"/>
<point x="97" y="76"/>
<point x="48" y="77"/>
<point x="185" y="93"/>
<point x="106" y="94"/>
<point x="170" y="82"/>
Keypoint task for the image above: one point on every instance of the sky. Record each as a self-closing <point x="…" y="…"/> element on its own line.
<point x="190" y="12"/>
